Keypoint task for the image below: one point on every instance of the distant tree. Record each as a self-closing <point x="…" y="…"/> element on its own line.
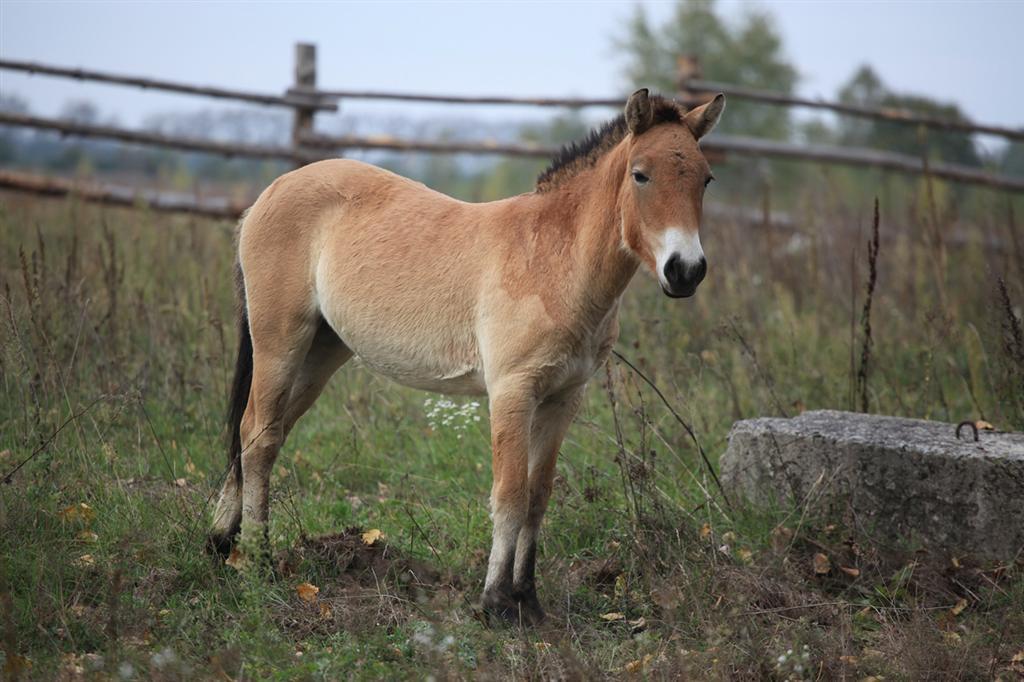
<point x="749" y="53"/>
<point x="9" y="135"/>
<point x="1013" y="159"/>
<point x="866" y="88"/>
<point x="80" y="111"/>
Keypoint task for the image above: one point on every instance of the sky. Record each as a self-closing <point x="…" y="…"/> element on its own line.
<point x="965" y="52"/>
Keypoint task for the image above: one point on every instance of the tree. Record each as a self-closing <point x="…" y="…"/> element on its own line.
<point x="748" y="53"/>
<point x="866" y="88"/>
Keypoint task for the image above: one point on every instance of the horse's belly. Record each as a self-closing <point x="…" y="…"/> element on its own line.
<point x="451" y="379"/>
<point x="414" y="352"/>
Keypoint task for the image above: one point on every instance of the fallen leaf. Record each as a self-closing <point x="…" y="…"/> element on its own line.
<point x="190" y="467"/>
<point x="620" y="586"/>
<point x="71" y="666"/>
<point x="705" y="531"/>
<point x="745" y="555"/>
<point x="85" y="561"/>
<point x="848" y="660"/>
<point x="951" y="637"/>
<point x="5" y="455"/>
<point x="781" y="538"/>
<point x="850" y="571"/>
<point x="638" y="665"/>
<point x="822" y="565"/>
<point x="371" y="536"/>
<point x="87" y="536"/>
<point x="638" y="624"/>
<point x="236" y="559"/>
<point x="180" y="482"/>
<point x="542" y="646"/>
<point x="612" y="616"/>
<point x="15" y="665"/>
<point x="959" y="607"/>
<point x="307" y="592"/>
<point x="1018" y="657"/>
<point x="956" y="562"/>
<point x="325" y="611"/>
<point x="78" y="512"/>
<point x="983" y="425"/>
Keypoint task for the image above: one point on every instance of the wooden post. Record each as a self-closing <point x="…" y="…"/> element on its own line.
<point x="305" y="77"/>
<point x="688" y="68"/>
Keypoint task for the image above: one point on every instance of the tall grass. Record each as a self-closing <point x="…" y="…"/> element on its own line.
<point x="116" y="350"/>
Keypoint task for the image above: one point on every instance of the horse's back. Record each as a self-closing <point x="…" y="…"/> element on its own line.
<point x="390" y="264"/>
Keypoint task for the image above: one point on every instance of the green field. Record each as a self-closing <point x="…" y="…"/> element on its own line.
<point x="118" y="340"/>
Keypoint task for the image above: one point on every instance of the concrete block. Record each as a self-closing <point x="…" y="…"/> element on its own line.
<point x="904" y="479"/>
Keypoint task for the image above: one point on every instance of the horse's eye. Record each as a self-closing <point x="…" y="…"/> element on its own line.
<point x="640" y="178"/>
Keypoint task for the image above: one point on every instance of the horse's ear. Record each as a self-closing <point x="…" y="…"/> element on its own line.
<point x="703" y="118"/>
<point x="639" y="112"/>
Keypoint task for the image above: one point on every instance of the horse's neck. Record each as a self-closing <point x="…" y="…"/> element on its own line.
<point x="601" y="265"/>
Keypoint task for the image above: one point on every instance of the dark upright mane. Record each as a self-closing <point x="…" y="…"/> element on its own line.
<point x="575" y="156"/>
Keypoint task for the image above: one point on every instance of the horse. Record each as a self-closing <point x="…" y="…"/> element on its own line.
<point x="514" y="299"/>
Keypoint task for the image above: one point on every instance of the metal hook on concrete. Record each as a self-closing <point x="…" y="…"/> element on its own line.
<point x="973" y="426"/>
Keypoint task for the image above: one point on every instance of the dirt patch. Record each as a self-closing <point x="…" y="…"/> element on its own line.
<point x="360" y="585"/>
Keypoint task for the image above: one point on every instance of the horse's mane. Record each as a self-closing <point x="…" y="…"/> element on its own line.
<point x="575" y="156"/>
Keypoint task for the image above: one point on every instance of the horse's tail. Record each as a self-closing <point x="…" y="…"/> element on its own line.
<point x="243" y="378"/>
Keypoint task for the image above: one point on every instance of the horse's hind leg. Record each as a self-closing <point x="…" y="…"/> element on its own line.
<point x="326" y="354"/>
<point x="280" y="345"/>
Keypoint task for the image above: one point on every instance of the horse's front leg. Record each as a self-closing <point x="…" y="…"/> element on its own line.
<point x="512" y="408"/>
<point x="550" y="424"/>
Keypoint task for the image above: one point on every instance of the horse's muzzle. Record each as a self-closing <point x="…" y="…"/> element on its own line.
<point x="682" y="278"/>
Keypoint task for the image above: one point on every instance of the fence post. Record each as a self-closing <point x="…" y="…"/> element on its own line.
<point x="305" y="78"/>
<point x="688" y="68"/>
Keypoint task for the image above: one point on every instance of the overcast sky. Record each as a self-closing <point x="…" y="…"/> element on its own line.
<point x="961" y="51"/>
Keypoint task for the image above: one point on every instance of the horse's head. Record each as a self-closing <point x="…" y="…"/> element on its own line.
<point x="663" y="189"/>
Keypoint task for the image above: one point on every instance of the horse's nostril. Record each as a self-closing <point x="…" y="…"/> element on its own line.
<point x="674" y="268"/>
<point x="700" y="270"/>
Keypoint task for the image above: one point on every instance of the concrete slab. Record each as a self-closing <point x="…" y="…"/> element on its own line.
<point x="904" y="479"/>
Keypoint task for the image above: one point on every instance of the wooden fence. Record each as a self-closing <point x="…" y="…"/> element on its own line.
<point x="305" y="99"/>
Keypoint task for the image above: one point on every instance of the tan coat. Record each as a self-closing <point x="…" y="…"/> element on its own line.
<point x="515" y="298"/>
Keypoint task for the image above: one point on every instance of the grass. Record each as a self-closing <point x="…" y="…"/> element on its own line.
<point x="117" y="345"/>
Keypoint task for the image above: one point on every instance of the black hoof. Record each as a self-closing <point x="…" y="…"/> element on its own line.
<point x="529" y="607"/>
<point x="219" y="545"/>
<point x="500" y="609"/>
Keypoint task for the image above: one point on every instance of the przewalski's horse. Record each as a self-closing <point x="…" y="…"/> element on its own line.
<point x="516" y="298"/>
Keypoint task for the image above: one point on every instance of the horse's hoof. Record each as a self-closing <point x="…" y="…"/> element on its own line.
<point x="503" y="610"/>
<point x="219" y="545"/>
<point x="530" y="609"/>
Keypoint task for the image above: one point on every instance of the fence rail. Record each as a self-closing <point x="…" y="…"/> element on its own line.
<point x="289" y="100"/>
<point x="154" y="200"/>
<point x="563" y="102"/>
<point x="154" y="139"/>
<point x="307" y="145"/>
<point x="890" y="115"/>
<point x="319" y="146"/>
